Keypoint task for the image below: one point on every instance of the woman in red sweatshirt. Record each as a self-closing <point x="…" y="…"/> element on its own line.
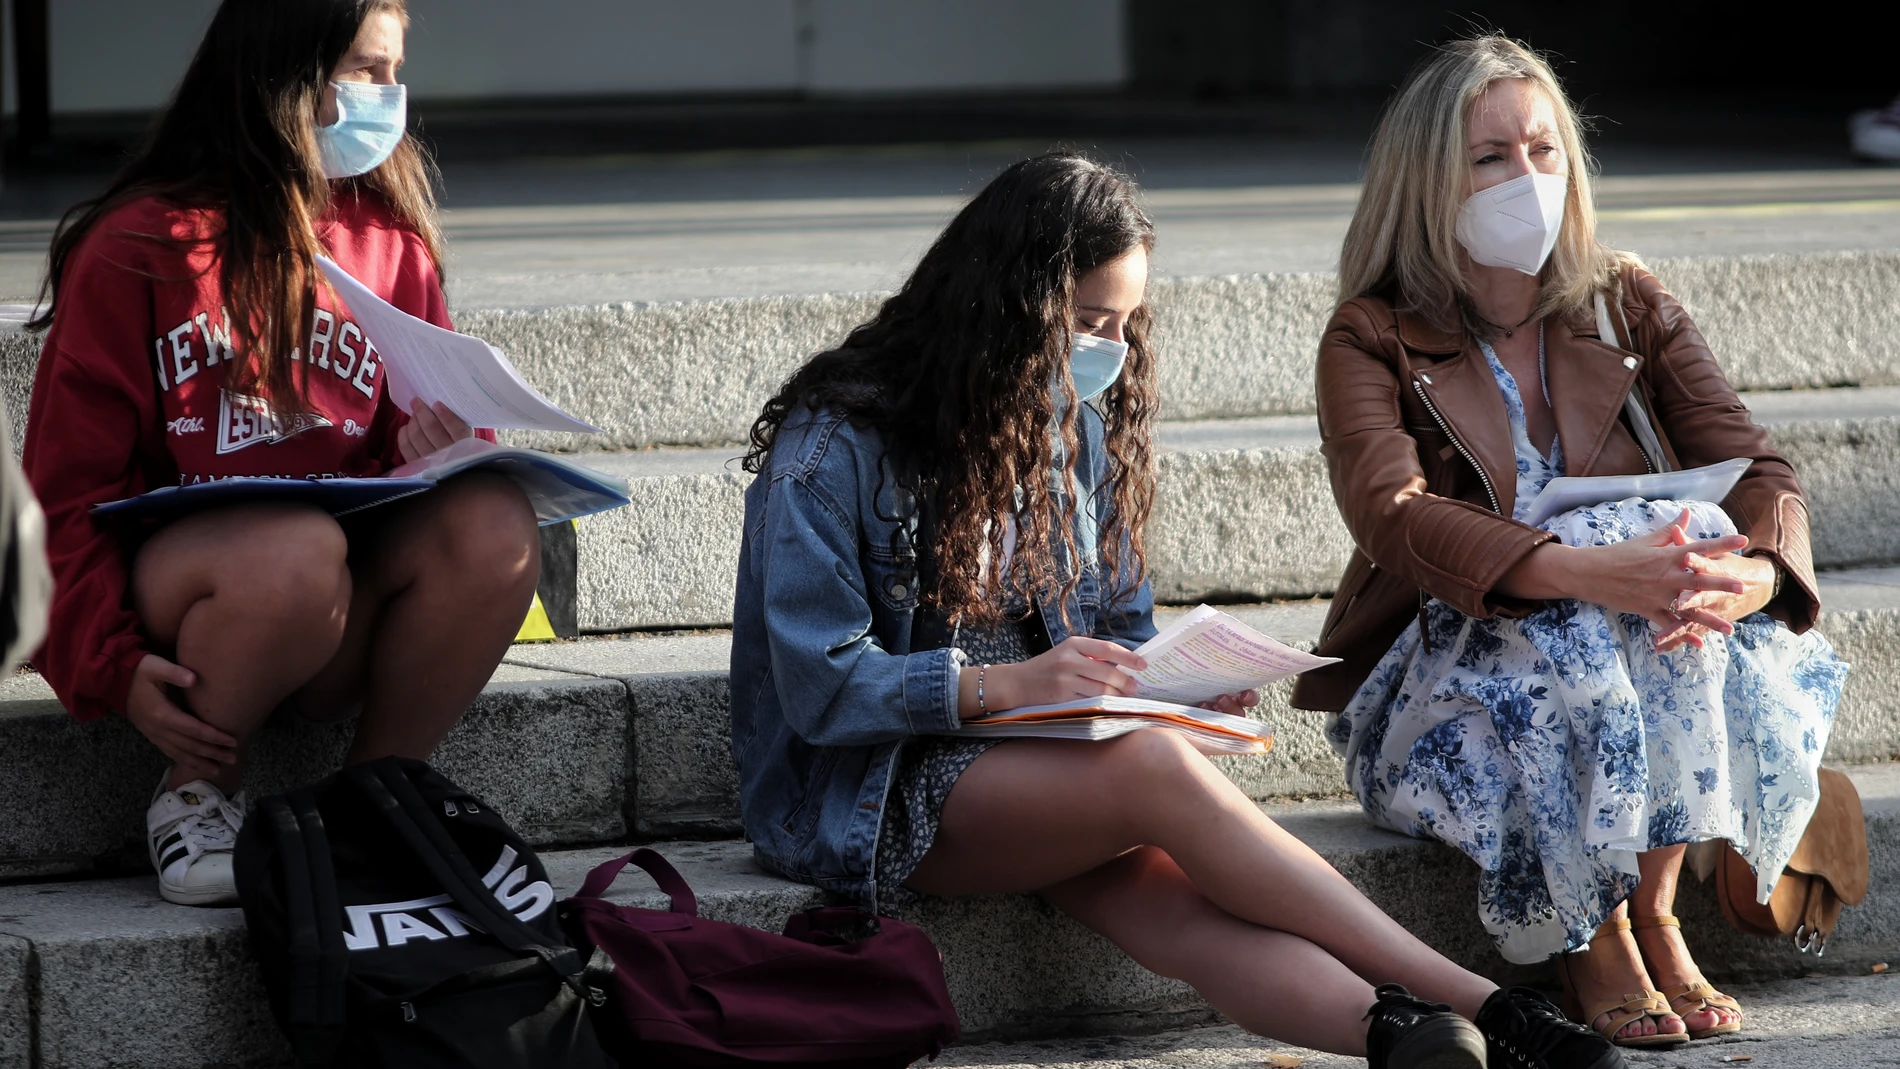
<point x="192" y="339"/>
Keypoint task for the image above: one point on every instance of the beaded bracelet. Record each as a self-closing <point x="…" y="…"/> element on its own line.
<point x="982" y="707"/>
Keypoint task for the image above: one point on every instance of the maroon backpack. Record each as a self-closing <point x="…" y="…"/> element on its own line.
<point x="841" y="988"/>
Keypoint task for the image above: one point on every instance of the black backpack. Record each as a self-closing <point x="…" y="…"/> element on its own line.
<point x="398" y="921"/>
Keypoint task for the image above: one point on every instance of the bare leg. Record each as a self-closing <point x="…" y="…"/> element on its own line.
<point x="1611" y="967"/>
<point x="1267" y="981"/>
<point x="441" y="589"/>
<point x="1035" y="813"/>
<point x="253" y="599"/>
<point x="1664" y="951"/>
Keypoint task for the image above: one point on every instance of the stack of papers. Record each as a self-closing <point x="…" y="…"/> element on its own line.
<point x="1208" y="653"/>
<point x="426" y="363"/>
<point x="1201" y="656"/>
<point x="1096" y="719"/>
<point x="1566" y="492"/>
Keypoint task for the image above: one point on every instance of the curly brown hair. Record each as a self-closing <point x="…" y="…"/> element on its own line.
<point x="955" y="371"/>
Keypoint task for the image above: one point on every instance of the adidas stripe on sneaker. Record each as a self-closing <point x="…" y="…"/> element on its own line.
<point x="190" y="833"/>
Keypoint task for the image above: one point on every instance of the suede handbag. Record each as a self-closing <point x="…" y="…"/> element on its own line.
<point x="1827" y="873"/>
<point x="840" y="988"/>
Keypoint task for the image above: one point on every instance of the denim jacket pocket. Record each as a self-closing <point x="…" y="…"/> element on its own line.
<point x="798" y="823"/>
<point x="892" y="580"/>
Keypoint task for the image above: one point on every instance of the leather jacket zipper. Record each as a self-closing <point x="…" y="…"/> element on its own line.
<point x="1489" y="490"/>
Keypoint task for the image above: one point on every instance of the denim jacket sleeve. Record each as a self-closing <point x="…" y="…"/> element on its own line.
<point x="837" y="685"/>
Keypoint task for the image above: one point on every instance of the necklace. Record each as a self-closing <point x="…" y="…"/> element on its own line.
<point x="1506" y="331"/>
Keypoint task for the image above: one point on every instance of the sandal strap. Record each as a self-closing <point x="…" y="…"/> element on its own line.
<point x="1660" y="920"/>
<point x="1631" y="1009"/>
<point x="1703" y="994"/>
<point x="1641" y="1004"/>
<point x="1611" y="927"/>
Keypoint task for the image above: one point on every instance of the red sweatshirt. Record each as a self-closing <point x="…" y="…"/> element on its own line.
<point x="129" y="396"/>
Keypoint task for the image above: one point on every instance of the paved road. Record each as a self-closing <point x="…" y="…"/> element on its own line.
<point x="592" y="229"/>
<point x="1829" y="1023"/>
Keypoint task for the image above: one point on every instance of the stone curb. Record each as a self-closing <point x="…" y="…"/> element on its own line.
<point x="608" y="739"/>
<point x="1244" y="511"/>
<point x="696" y="372"/>
<point x="124" y="979"/>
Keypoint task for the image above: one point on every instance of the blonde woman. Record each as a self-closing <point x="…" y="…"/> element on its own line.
<point x="1572" y="702"/>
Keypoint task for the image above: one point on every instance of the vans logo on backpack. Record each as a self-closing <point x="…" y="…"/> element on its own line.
<point x="394" y="923"/>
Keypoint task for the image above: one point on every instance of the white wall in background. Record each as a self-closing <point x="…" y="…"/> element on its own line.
<point x="512" y="48"/>
<point x="861" y="46"/>
<point x="120" y="55"/>
<point x="126" y="55"/>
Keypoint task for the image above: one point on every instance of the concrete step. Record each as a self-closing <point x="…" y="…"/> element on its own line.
<point x="1832" y="1021"/>
<point x="1243" y="510"/>
<point x="114" y="977"/>
<point x="697" y="371"/>
<point x="607" y="739"/>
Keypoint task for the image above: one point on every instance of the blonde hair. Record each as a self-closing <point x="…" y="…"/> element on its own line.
<point x="1402" y="234"/>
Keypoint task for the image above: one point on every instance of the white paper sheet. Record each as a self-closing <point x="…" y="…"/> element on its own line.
<point x="1566" y="492"/>
<point x="1208" y="653"/>
<point x="465" y="373"/>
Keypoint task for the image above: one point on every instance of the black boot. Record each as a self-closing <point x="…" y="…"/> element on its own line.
<point x="1528" y="1031"/>
<point x="1410" y="1033"/>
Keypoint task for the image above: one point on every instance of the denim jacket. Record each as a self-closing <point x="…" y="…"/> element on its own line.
<point x="827" y="679"/>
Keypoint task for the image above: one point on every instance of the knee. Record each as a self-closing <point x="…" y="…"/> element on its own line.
<point x="292" y="565"/>
<point x="1162" y="906"/>
<point x="486" y="531"/>
<point x="1157" y="758"/>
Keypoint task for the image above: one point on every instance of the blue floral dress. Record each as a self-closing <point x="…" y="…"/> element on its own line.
<point x="1554" y="748"/>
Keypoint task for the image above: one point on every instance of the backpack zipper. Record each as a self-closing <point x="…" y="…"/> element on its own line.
<point x="1489" y="491"/>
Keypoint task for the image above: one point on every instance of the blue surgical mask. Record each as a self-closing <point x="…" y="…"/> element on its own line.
<point x="1094" y="364"/>
<point x="370" y="123"/>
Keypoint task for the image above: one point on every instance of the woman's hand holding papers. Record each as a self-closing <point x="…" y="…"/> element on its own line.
<point x="1656" y="577"/>
<point x="430" y="427"/>
<point x="1234" y="704"/>
<point x="1078" y="668"/>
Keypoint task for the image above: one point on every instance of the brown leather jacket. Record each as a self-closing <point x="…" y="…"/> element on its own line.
<point x="1419" y="447"/>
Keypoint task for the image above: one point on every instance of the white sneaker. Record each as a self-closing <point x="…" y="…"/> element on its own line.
<point x="191" y="832"/>
<point x="1876" y="134"/>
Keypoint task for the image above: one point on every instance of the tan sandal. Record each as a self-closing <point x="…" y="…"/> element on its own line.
<point x="1696" y="997"/>
<point x="1621" y="1012"/>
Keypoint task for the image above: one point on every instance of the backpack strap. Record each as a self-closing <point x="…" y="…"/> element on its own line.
<point x="319" y="963"/>
<point x="402" y="806"/>
<point x="664" y="875"/>
<point x="1641" y="425"/>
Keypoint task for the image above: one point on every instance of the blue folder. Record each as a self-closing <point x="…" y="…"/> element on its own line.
<point x="335" y="496"/>
<point x="557" y="488"/>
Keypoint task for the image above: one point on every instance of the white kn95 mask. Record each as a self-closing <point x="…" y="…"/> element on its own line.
<point x="1514" y="224"/>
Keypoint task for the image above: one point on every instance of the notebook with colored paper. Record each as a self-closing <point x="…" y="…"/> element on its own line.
<point x="1105" y="718"/>
<point x="1201" y="656"/>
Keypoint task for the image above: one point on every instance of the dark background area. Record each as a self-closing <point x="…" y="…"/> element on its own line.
<point x="1677" y="74"/>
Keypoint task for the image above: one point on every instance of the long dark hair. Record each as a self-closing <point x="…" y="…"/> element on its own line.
<point x="238" y="141"/>
<point x="954" y="373"/>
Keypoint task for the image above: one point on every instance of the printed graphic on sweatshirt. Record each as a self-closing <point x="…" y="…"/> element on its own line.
<point x="245" y="421"/>
<point x="391" y="924"/>
<point x="336" y="345"/>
